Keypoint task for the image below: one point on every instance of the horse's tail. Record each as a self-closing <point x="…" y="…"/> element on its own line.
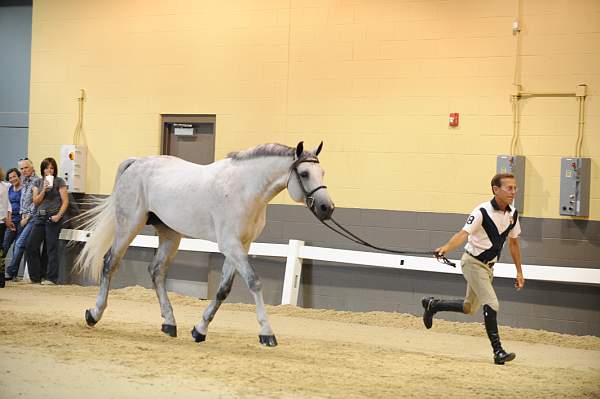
<point x="101" y="221"/>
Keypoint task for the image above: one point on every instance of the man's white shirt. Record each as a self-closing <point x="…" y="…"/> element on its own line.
<point x="478" y="239"/>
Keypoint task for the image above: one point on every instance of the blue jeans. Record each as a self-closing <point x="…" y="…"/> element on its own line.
<point x="19" y="250"/>
<point x="11" y="236"/>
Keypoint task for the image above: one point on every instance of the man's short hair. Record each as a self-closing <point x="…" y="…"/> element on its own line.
<point x="497" y="179"/>
<point x="26" y="160"/>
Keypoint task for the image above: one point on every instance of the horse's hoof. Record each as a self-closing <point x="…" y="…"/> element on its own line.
<point x="170" y="330"/>
<point x="197" y="336"/>
<point x="267" y="340"/>
<point x="89" y="319"/>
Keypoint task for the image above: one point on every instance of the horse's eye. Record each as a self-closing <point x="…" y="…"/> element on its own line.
<point x="304" y="175"/>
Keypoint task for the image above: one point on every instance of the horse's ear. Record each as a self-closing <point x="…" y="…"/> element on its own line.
<point x="318" y="150"/>
<point x="299" y="149"/>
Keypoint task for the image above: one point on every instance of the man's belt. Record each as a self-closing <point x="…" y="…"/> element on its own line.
<point x="489" y="264"/>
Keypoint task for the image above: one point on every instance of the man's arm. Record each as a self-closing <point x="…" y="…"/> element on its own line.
<point x="515" y="252"/>
<point x="457" y="240"/>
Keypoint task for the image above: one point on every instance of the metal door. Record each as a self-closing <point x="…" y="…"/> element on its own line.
<point x="190" y="137"/>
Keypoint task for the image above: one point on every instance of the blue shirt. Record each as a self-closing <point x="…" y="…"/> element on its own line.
<point x="15" y="202"/>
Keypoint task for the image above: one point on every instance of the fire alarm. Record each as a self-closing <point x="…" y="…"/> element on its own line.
<point x="453" y="119"/>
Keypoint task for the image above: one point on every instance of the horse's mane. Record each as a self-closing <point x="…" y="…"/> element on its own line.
<point x="263" y="150"/>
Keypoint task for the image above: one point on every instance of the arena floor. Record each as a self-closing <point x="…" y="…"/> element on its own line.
<point x="48" y="352"/>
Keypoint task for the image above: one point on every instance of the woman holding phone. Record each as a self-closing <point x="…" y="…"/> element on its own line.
<point x="52" y="200"/>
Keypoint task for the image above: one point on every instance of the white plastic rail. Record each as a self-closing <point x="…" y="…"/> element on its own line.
<point x="296" y="251"/>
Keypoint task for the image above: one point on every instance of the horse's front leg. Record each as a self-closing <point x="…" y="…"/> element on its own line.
<point x="253" y="282"/>
<point x="199" y="331"/>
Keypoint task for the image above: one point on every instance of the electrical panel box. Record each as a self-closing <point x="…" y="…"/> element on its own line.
<point x="73" y="167"/>
<point x="514" y="164"/>
<point x="575" y="186"/>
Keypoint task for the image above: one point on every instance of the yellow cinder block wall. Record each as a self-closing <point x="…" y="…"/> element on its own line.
<point x="375" y="80"/>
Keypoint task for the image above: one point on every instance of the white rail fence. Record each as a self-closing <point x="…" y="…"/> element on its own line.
<point x="295" y="251"/>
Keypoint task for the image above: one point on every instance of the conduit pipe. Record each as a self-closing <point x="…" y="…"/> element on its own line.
<point x="580" y="93"/>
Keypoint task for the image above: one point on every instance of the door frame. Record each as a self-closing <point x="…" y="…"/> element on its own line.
<point x="166" y="119"/>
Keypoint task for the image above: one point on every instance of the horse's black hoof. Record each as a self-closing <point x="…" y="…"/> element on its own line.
<point x="267" y="340"/>
<point x="197" y="336"/>
<point x="170" y="330"/>
<point x="89" y="319"/>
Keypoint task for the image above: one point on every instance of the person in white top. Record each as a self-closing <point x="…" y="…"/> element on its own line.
<point x="5" y="221"/>
<point x="486" y="229"/>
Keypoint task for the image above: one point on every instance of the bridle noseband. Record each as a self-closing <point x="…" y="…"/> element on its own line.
<point x="309" y="200"/>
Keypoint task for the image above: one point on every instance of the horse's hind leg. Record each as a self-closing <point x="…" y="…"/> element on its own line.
<point x="200" y="329"/>
<point x="111" y="264"/>
<point x="168" y="244"/>
<point x="123" y="237"/>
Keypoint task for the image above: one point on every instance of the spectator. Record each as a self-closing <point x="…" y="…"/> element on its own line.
<point x="14" y="228"/>
<point x="4" y="220"/>
<point x="27" y="210"/>
<point x="52" y="200"/>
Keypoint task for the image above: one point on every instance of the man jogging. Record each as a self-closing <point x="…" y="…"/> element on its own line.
<point x="486" y="228"/>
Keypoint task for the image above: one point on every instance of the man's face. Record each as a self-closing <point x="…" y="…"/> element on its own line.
<point x="26" y="168"/>
<point x="507" y="191"/>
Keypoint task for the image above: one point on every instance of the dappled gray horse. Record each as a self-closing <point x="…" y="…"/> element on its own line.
<point x="223" y="202"/>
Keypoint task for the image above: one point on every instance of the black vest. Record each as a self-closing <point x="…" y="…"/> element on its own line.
<point x="495" y="237"/>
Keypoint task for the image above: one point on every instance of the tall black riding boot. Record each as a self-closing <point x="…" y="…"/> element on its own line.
<point x="491" y="327"/>
<point x="432" y="306"/>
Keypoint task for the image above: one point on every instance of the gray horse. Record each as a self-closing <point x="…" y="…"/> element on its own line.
<point x="223" y="202"/>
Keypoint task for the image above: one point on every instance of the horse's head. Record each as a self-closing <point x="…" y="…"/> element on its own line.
<point x="305" y="183"/>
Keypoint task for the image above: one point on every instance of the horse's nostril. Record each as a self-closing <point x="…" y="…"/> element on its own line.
<point x="324" y="208"/>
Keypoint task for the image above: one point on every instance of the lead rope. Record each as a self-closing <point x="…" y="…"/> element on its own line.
<point x="354" y="238"/>
<point x="347" y="233"/>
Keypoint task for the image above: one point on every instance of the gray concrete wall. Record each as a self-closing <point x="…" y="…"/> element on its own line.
<point x="567" y="308"/>
<point x="15" y="64"/>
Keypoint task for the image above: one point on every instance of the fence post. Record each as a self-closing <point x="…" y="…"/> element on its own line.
<point x="293" y="271"/>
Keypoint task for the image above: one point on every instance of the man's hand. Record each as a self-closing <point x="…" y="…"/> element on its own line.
<point x="441" y="251"/>
<point x="24" y="221"/>
<point x="519" y="282"/>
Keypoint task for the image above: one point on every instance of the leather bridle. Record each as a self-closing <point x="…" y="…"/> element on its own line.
<point x="309" y="200"/>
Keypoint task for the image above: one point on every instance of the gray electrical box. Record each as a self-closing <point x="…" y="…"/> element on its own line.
<point x="514" y="164"/>
<point x="575" y="186"/>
